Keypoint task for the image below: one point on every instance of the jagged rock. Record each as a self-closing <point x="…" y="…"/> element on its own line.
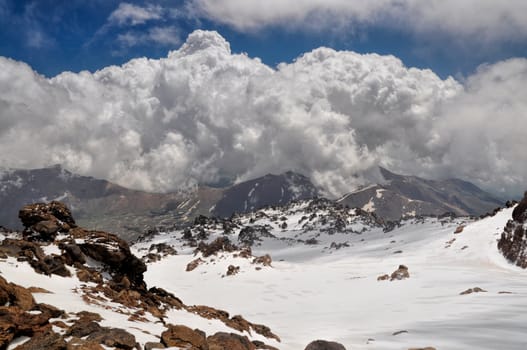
<point x="113" y="252"/>
<point x="114" y="337"/>
<point x="324" y="345"/>
<point x="89" y="316"/>
<point x="251" y="234"/>
<point x="400" y="274"/>
<point x="229" y="341"/>
<point x="513" y="240"/>
<point x="519" y="214"/>
<point x="262" y="345"/>
<point x="48" y="340"/>
<point x="46" y="220"/>
<point x="220" y="244"/>
<point x="16" y="295"/>
<point x="184" y="337"/>
<point x="51" y="310"/>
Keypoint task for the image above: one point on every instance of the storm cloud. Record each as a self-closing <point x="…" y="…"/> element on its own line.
<point x="205" y="115"/>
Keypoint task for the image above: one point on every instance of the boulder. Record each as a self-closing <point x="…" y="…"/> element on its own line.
<point x="114" y="337"/>
<point x="48" y="340"/>
<point x="324" y="345"/>
<point x="229" y="341"/>
<point x="400" y="274"/>
<point x="184" y="337"/>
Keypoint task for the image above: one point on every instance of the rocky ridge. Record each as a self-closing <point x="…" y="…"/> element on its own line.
<point x="108" y="279"/>
<point x="513" y="240"/>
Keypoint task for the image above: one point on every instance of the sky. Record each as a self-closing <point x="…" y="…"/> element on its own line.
<point x="161" y="95"/>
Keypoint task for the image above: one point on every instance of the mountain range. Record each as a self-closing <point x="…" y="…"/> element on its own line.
<point x="100" y="204"/>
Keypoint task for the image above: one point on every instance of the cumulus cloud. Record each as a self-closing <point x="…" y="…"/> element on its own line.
<point x="203" y="114"/>
<point x="481" y="19"/>
<point x="130" y="14"/>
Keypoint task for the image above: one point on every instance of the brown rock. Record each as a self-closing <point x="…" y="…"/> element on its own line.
<point x="152" y="346"/>
<point x="400" y="274"/>
<point x="459" y="229"/>
<point x="324" y="345"/>
<point x="81" y="344"/>
<point x="194" y="264"/>
<point x="384" y="277"/>
<point x="265" y="260"/>
<point x="473" y="290"/>
<point x="427" y="348"/>
<point x="48" y="340"/>
<point x="89" y="316"/>
<point x="229" y="341"/>
<point x="83" y="327"/>
<point x="232" y="270"/>
<point x="115" y="337"/>
<point x="184" y="337"/>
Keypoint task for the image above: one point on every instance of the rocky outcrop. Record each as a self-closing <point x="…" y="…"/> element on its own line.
<point x="324" y="345"/>
<point x="184" y="337"/>
<point x="46" y="220"/>
<point x="229" y="341"/>
<point x="513" y="240"/>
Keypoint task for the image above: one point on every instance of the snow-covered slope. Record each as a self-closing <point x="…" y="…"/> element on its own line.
<point x="327" y="277"/>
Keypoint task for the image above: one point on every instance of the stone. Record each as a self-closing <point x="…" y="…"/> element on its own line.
<point x="473" y="290"/>
<point x="48" y="340"/>
<point x="400" y="274"/>
<point x="184" y="337"/>
<point x="151" y="346"/>
<point x="324" y="345"/>
<point x="229" y="341"/>
<point x="114" y="337"/>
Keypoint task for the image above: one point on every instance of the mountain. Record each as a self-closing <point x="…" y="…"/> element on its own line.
<point x="319" y="269"/>
<point x="402" y="196"/>
<point x="100" y="204"/>
<point x="269" y="190"/>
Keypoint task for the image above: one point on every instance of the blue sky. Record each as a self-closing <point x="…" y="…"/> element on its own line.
<point x="55" y="35"/>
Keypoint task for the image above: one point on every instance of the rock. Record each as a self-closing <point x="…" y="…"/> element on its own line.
<point x="399" y="332"/>
<point x="265" y="260"/>
<point x="48" y="340"/>
<point x="473" y="290"/>
<point x="251" y="234"/>
<point x="459" y="229"/>
<point x="519" y="214"/>
<point x="81" y="344"/>
<point x="184" y="337"/>
<point x="115" y="337"/>
<point x="427" y="348"/>
<point x="191" y="266"/>
<point x="220" y="244"/>
<point x="83" y="327"/>
<point x="45" y="340"/>
<point x="51" y="310"/>
<point x="400" y="274"/>
<point x="232" y="270"/>
<point x="46" y="220"/>
<point x="16" y="295"/>
<point x="229" y="341"/>
<point x="324" y="345"/>
<point x="151" y="345"/>
<point x="384" y="277"/>
<point x="262" y="345"/>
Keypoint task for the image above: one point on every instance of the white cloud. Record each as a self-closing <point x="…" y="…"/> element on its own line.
<point x="130" y="14"/>
<point x="203" y="114"/>
<point x="479" y="19"/>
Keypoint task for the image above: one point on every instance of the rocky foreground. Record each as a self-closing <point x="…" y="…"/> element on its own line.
<point x="107" y="282"/>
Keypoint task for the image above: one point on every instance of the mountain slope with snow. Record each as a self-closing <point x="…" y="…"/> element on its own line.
<point x="327" y="279"/>
<point x="401" y="196"/>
